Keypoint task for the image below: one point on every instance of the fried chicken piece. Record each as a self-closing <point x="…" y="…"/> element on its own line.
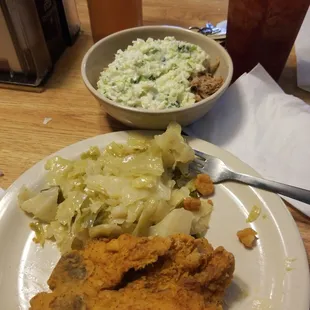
<point x="103" y="262"/>
<point x="247" y="237"/>
<point x="204" y="184"/>
<point x="67" y="300"/>
<point x="191" y="268"/>
<point x="178" y="272"/>
<point x="101" y="265"/>
<point x="204" y="85"/>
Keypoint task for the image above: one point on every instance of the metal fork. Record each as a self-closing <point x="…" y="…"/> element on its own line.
<point x="219" y="172"/>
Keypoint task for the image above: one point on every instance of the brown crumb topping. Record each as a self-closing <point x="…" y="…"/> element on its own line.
<point x="205" y="84"/>
<point x="204" y="184"/>
<point x="191" y="204"/>
<point x="247" y="237"/>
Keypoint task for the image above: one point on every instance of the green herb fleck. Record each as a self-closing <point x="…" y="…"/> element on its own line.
<point x="184" y="48"/>
<point x="194" y="194"/>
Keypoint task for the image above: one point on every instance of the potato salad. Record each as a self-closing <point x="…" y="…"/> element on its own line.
<point x="153" y="74"/>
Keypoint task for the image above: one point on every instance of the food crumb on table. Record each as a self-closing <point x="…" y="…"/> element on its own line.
<point x="47" y="120"/>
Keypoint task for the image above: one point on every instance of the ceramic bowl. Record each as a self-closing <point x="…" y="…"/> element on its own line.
<point x="101" y="54"/>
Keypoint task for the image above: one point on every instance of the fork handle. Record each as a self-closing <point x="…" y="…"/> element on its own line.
<point x="275" y="187"/>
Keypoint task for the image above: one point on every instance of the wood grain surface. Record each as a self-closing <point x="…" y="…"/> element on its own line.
<point x="24" y="139"/>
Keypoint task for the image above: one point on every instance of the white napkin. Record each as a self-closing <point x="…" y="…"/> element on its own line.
<point x="2" y="193"/>
<point x="302" y="48"/>
<point x="269" y="130"/>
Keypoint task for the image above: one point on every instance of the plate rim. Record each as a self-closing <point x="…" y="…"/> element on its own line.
<point x="12" y="190"/>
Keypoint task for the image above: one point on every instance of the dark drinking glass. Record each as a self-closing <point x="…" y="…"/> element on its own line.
<point x="263" y="31"/>
<point x="109" y="16"/>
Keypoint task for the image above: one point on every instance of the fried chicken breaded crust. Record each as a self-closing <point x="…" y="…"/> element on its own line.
<point x="178" y="272"/>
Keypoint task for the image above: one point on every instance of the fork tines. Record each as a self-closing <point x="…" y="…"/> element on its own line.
<point x="201" y="154"/>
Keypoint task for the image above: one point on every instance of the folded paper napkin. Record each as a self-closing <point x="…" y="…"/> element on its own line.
<point x="269" y="130"/>
<point x="2" y="192"/>
<point x="302" y="48"/>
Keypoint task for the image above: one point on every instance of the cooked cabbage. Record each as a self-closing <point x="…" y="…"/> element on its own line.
<point x="177" y="221"/>
<point x="201" y="218"/>
<point x="174" y="147"/>
<point x="38" y="229"/>
<point x="254" y="214"/>
<point x="43" y="206"/>
<point x="125" y="188"/>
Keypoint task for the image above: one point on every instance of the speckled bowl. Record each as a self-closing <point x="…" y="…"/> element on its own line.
<point x="101" y="54"/>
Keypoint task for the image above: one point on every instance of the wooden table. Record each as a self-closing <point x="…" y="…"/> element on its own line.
<point x="24" y="140"/>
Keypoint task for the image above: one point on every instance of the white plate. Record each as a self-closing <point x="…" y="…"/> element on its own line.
<point x="261" y="280"/>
